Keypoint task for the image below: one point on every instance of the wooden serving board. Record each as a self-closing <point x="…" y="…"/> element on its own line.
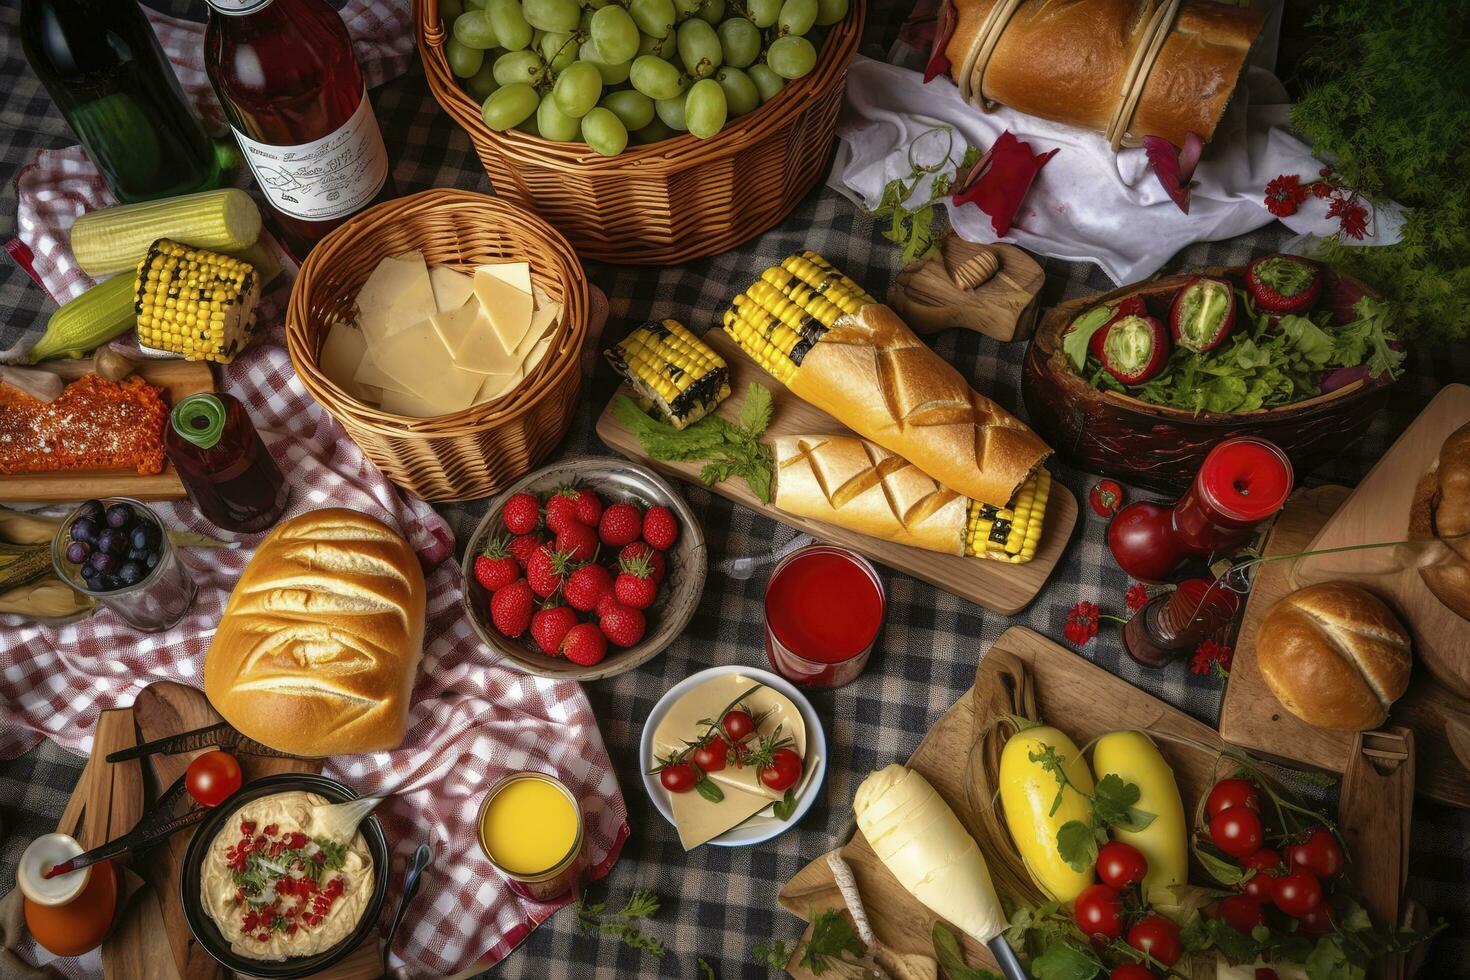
<point x="1252" y="718"/>
<point x="998" y="586"/>
<point x="1085" y="701"/>
<point x="178" y="379"/>
<point x="930" y="295"/>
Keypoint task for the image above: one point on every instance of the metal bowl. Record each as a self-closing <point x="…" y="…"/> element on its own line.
<point x="208" y="934"/>
<point x="614" y="479"/>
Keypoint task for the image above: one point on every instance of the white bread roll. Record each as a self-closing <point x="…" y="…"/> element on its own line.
<point x="863" y="487"/>
<point x="1335" y="656"/>
<point x="320" y="643"/>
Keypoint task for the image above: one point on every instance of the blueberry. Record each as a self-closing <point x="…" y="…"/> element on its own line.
<point x="135" y="554"/>
<point x="119" y="515"/>
<point x="88" y="573"/>
<point x="112" y="541"/>
<point x="91" y="510"/>
<point x="143" y="537"/>
<point x="84" y="529"/>
<point x="103" y="562"/>
<point x="152" y="559"/>
<point x="131" y="573"/>
<point x="104" y="583"/>
<point x="77" y="552"/>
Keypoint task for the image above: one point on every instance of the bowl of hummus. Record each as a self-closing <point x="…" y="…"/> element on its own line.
<point x="266" y="895"/>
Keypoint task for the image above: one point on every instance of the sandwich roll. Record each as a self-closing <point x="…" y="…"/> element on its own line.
<point x="319" y="645"/>
<point x="1335" y="656"/>
<point x="1441" y="509"/>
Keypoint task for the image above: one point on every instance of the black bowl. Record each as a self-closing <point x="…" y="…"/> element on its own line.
<point x="208" y="933"/>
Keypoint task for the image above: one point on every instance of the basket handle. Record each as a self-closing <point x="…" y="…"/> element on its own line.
<point x="433" y="26"/>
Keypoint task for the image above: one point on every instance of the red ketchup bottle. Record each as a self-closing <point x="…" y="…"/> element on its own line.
<point x="1243" y="482"/>
<point x="295" y="98"/>
<point x="226" y="469"/>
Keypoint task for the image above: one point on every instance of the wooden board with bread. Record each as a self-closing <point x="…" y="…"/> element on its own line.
<point x="1252" y="716"/>
<point x="1026" y="674"/>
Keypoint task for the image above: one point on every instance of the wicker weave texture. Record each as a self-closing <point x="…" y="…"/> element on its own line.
<point x="476" y="452"/>
<point x="674" y="200"/>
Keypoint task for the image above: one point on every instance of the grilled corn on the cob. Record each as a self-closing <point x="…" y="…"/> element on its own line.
<point x="673" y="374"/>
<point x="195" y="303"/>
<point x="1010" y="533"/>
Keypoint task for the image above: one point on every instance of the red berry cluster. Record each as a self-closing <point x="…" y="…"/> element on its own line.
<point x="575" y="572"/>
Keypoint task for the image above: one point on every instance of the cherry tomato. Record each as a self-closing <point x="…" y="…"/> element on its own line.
<point x="1240" y="913"/>
<point x="1120" y="864"/>
<point x="1237" y="831"/>
<point x="1099" y="911"/>
<point x="1229" y="793"/>
<point x="784" y="770"/>
<point x="712" y="755"/>
<point x="738" y="724"/>
<point x="1320" y="854"/>
<point x="1296" y="894"/>
<point x="213" y="777"/>
<point x="678" y="778"/>
<point x="1266" y="864"/>
<point x="1317" y="922"/>
<point x="1158" y="937"/>
<point x="1105" y="498"/>
<point x="1132" y="971"/>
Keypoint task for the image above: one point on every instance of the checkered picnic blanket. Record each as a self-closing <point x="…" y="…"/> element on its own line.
<point x="718" y="903"/>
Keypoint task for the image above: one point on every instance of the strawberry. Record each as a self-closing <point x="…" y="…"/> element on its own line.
<point x="660" y="529"/>
<point x="621" y="625"/>
<point x="635" y="586"/>
<point x="1282" y="284"/>
<point x="584" y="644"/>
<point x="578" y="541"/>
<point x="561" y="509"/>
<point x="510" y="608"/>
<point x="656" y="558"/>
<point x="549" y="627"/>
<point x="522" y="513"/>
<point x="495" y="568"/>
<point x="546" y="569"/>
<point x="607" y="602"/>
<point x="589" y="507"/>
<point x="521" y="547"/>
<point x="586" y="586"/>
<point x="620" y="524"/>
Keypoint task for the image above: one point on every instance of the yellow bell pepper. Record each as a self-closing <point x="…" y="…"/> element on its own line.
<point x="1027" y="793"/>
<point x="1133" y="758"/>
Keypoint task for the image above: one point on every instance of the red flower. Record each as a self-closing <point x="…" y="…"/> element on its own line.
<point x="1285" y="194"/>
<point x="1137" y="596"/>
<point x="1320" y="188"/>
<point x="1351" y="214"/>
<point x="999" y="180"/>
<point x="1082" y="623"/>
<point x="1212" y="658"/>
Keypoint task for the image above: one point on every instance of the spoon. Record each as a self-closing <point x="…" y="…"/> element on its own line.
<point x="338" y="821"/>
<point x="422" y="858"/>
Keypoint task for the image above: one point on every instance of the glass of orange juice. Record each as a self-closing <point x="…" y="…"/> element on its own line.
<point x="531" y="830"/>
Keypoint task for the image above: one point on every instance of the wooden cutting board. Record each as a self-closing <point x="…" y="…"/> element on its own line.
<point x="1085" y="701"/>
<point x="1378" y="510"/>
<point x="178" y="379"/>
<point x="934" y="294"/>
<point x="1252" y="718"/>
<point x="995" y="585"/>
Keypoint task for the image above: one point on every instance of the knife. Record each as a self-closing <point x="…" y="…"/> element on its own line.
<point x="222" y="735"/>
<point x="157" y="824"/>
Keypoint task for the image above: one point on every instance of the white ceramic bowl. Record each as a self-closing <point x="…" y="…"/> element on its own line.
<point x="763" y="826"/>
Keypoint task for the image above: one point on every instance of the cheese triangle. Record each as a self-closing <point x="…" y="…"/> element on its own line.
<point x="508" y="306"/>
<point x="396" y="295"/>
<point x="342" y="352"/>
<point x="451" y="288"/>
<point x="416" y="360"/>
<point x="368" y="373"/>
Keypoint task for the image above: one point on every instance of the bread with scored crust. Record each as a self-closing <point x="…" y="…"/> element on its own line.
<point x="871" y="373"/>
<point x="1068" y="62"/>
<point x="319" y="645"/>
<point x="1335" y="656"/>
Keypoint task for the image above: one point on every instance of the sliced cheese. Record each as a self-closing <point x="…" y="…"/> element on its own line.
<point x="451" y="287"/>
<point x="543" y="325"/>
<point x="480" y="350"/>
<point x="411" y="406"/>
<point x="496" y="385"/>
<point x="342" y="352"/>
<point x="397" y="295"/>
<point x="416" y="360"/>
<point x="369" y="375"/>
<point x="504" y="292"/>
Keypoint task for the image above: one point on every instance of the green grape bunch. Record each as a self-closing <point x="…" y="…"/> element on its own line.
<point x="607" y="73"/>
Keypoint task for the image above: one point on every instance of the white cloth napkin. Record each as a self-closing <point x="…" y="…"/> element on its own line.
<point x="1088" y="203"/>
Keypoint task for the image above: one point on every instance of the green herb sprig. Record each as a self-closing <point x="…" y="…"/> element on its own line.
<point x="642" y="904"/>
<point x="726" y="448"/>
<point x="911" y="222"/>
<point x="1112" y="802"/>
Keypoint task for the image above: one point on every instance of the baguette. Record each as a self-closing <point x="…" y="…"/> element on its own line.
<point x="1069" y="62"/>
<point x="860" y="486"/>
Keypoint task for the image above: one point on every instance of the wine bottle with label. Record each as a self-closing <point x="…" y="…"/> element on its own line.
<point x="106" y="72"/>
<point x="295" y="97"/>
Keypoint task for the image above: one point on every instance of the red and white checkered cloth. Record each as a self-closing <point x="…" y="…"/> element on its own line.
<point x="473" y="718"/>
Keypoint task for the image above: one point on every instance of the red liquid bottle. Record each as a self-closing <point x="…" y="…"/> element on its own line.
<point x="226" y="469"/>
<point x="295" y="98"/>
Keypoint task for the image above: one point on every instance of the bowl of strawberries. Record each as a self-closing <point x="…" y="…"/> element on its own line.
<point x="584" y="569"/>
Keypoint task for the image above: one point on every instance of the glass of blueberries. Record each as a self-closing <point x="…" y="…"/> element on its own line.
<point x="116" y="550"/>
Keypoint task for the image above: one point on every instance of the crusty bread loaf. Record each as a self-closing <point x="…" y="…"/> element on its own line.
<point x="855" y="484"/>
<point x="873" y="375"/>
<point x="1068" y="62"/>
<point x="1441" y="509"/>
<point x="1334" y="655"/>
<point x="320" y="643"/>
